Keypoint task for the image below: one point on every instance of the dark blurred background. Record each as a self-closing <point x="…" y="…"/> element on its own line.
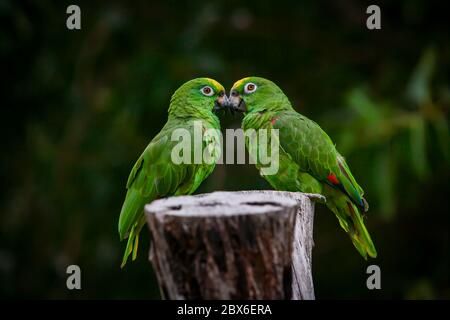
<point x="78" y="108"/>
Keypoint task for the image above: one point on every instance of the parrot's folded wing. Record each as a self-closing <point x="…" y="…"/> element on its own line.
<point x="154" y="175"/>
<point x="312" y="149"/>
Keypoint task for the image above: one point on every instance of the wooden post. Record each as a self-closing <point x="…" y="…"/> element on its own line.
<point x="233" y="245"/>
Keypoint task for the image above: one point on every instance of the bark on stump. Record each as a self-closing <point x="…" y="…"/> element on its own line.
<point x="233" y="245"/>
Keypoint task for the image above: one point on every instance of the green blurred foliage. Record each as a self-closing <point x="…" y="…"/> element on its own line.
<point x="80" y="106"/>
<point x="409" y="133"/>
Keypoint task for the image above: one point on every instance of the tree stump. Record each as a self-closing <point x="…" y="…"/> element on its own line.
<point x="233" y="245"/>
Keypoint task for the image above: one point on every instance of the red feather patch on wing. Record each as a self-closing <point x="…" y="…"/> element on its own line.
<point x="332" y="178"/>
<point x="273" y="120"/>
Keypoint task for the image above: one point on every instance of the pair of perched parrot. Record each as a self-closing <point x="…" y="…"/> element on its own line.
<point x="308" y="159"/>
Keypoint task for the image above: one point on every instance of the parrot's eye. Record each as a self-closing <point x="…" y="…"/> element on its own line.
<point x="250" y="87"/>
<point x="207" y="91"/>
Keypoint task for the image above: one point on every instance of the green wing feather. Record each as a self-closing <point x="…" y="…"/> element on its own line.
<point x="313" y="150"/>
<point x="315" y="154"/>
<point x="153" y="176"/>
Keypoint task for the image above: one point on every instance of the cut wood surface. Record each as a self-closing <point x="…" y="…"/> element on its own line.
<point x="233" y="245"/>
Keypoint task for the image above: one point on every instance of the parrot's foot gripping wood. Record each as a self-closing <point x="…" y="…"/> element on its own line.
<point x="233" y="245"/>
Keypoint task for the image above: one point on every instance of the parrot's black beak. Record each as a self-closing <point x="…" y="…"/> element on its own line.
<point x="221" y="102"/>
<point x="235" y="102"/>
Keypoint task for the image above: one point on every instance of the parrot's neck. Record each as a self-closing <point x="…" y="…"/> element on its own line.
<point x="189" y="112"/>
<point x="260" y="115"/>
<point x="272" y="104"/>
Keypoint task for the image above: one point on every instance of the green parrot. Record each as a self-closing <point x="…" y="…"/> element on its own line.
<point x="308" y="159"/>
<point x="155" y="174"/>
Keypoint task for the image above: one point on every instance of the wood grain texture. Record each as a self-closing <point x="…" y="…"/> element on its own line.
<point x="233" y="245"/>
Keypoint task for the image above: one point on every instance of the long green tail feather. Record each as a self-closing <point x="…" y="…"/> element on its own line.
<point x="351" y="221"/>
<point x="136" y="242"/>
<point x="129" y="248"/>
<point x="133" y="241"/>
<point x="131" y="210"/>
